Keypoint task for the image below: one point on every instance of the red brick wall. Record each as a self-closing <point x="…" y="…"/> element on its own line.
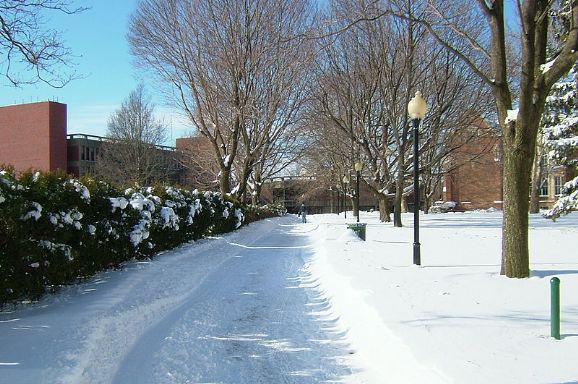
<point x="477" y="182"/>
<point x="57" y="134"/>
<point x="33" y="136"/>
<point x="199" y="159"/>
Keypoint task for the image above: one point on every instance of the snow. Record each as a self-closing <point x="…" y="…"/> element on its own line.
<point x="139" y="202"/>
<point x="455" y="319"/>
<point x="512" y="115"/>
<point x="240" y="218"/>
<point x="235" y="189"/>
<point x="240" y="308"/>
<point x="81" y="189"/>
<point x="193" y="209"/>
<point x="35" y="213"/>
<point x="546" y="67"/>
<point x="118" y="202"/>
<point x="140" y="232"/>
<point x="54" y="247"/>
<point x="169" y="218"/>
<point x="280" y="301"/>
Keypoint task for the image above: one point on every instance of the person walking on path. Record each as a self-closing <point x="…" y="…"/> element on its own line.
<point x="303" y="213"/>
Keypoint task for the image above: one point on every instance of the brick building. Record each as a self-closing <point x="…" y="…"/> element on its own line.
<point x="33" y="136"/>
<point x="475" y="177"/>
<point x="84" y="150"/>
<point x="198" y="159"/>
<point x="551" y="184"/>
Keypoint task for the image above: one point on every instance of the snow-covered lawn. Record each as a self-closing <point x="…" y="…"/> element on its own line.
<point x="455" y="319"/>
<point x="285" y="302"/>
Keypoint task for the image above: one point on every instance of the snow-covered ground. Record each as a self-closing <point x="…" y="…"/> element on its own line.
<point x="285" y="302"/>
<point x="237" y="309"/>
<point x="455" y="319"/>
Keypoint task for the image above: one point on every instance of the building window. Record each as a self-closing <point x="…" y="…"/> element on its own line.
<point x="558" y="184"/>
<point x="91" y="154"/>
<point x="543" y="189"/>
<point x="82" y="157"/>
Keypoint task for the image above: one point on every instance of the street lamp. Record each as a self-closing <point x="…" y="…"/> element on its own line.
<point x="346" y="182"/>
<point x="358" y="167"/>
<point x="338" y="189"/>
<point x="416" y="109"/>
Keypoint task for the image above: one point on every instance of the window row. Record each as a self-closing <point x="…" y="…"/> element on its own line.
<point x="88" y="153"/>
<point x="558" y="184"/>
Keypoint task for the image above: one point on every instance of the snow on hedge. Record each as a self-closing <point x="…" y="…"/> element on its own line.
<point x="60" y="229"/>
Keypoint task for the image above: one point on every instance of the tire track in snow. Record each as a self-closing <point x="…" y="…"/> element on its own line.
<point x="248" y="322"/>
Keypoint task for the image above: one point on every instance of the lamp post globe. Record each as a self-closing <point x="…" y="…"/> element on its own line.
<point x="416" y="108"/>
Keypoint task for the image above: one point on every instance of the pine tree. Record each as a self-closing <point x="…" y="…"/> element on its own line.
<point x="560" y="128"/>
<point x="560" y="121"/>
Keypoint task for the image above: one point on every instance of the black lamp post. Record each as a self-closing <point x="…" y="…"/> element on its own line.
<point x="345" y="182"/>
<point x="416" y="108"/>
<point x="338" y="191"/>
<point x="358" y="168"/>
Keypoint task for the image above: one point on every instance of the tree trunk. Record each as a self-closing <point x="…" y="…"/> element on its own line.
<point x="515" y="253"/>
<point x="256" y="195"/>
<point x="426" y="204"/>
<point x="355" y="206"/>
<point x="384" y="211"/>
<point x="225" y="181"/>
<point x="536" y="179"/>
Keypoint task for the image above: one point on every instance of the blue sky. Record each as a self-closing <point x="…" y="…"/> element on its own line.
<point x="97" y="38"/>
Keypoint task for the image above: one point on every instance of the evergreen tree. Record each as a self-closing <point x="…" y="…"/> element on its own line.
<point x="560" y="128"/>
<point x="560" y="121"/>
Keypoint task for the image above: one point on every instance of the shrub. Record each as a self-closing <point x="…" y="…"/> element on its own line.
<point x="55" y="230"/>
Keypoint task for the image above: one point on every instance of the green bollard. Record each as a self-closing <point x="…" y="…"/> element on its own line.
<point x="555" y="308"/>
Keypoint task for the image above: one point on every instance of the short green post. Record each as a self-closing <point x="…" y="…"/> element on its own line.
<point x="555" y="308"/>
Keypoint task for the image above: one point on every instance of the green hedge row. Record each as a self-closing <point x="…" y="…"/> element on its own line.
<point x="55" y="230"/>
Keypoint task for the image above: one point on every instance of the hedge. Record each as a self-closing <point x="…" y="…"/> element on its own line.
<point x="55" y="230"/>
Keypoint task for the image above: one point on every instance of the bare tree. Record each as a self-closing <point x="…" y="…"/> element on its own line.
<point x="219" y="56"/>
<point x="29" y="51"/>
<point x="132" y="153"/>
<point x="197" y="157"/>
<point x="367" y="74"/>
<point x="280" y="82"/>
<point x="538" y="73"/>
<point x="459" y="104"/>
<point x="478" y="36"/>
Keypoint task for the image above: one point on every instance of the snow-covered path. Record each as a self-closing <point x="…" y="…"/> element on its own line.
<point x="238" y="309"/>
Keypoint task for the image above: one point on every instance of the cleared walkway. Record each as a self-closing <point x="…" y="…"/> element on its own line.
<point x="237" y="309"/>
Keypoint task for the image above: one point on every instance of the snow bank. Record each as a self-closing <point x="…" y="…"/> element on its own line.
<point x="455" y="319"/>
<point x="380" y="355"/>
